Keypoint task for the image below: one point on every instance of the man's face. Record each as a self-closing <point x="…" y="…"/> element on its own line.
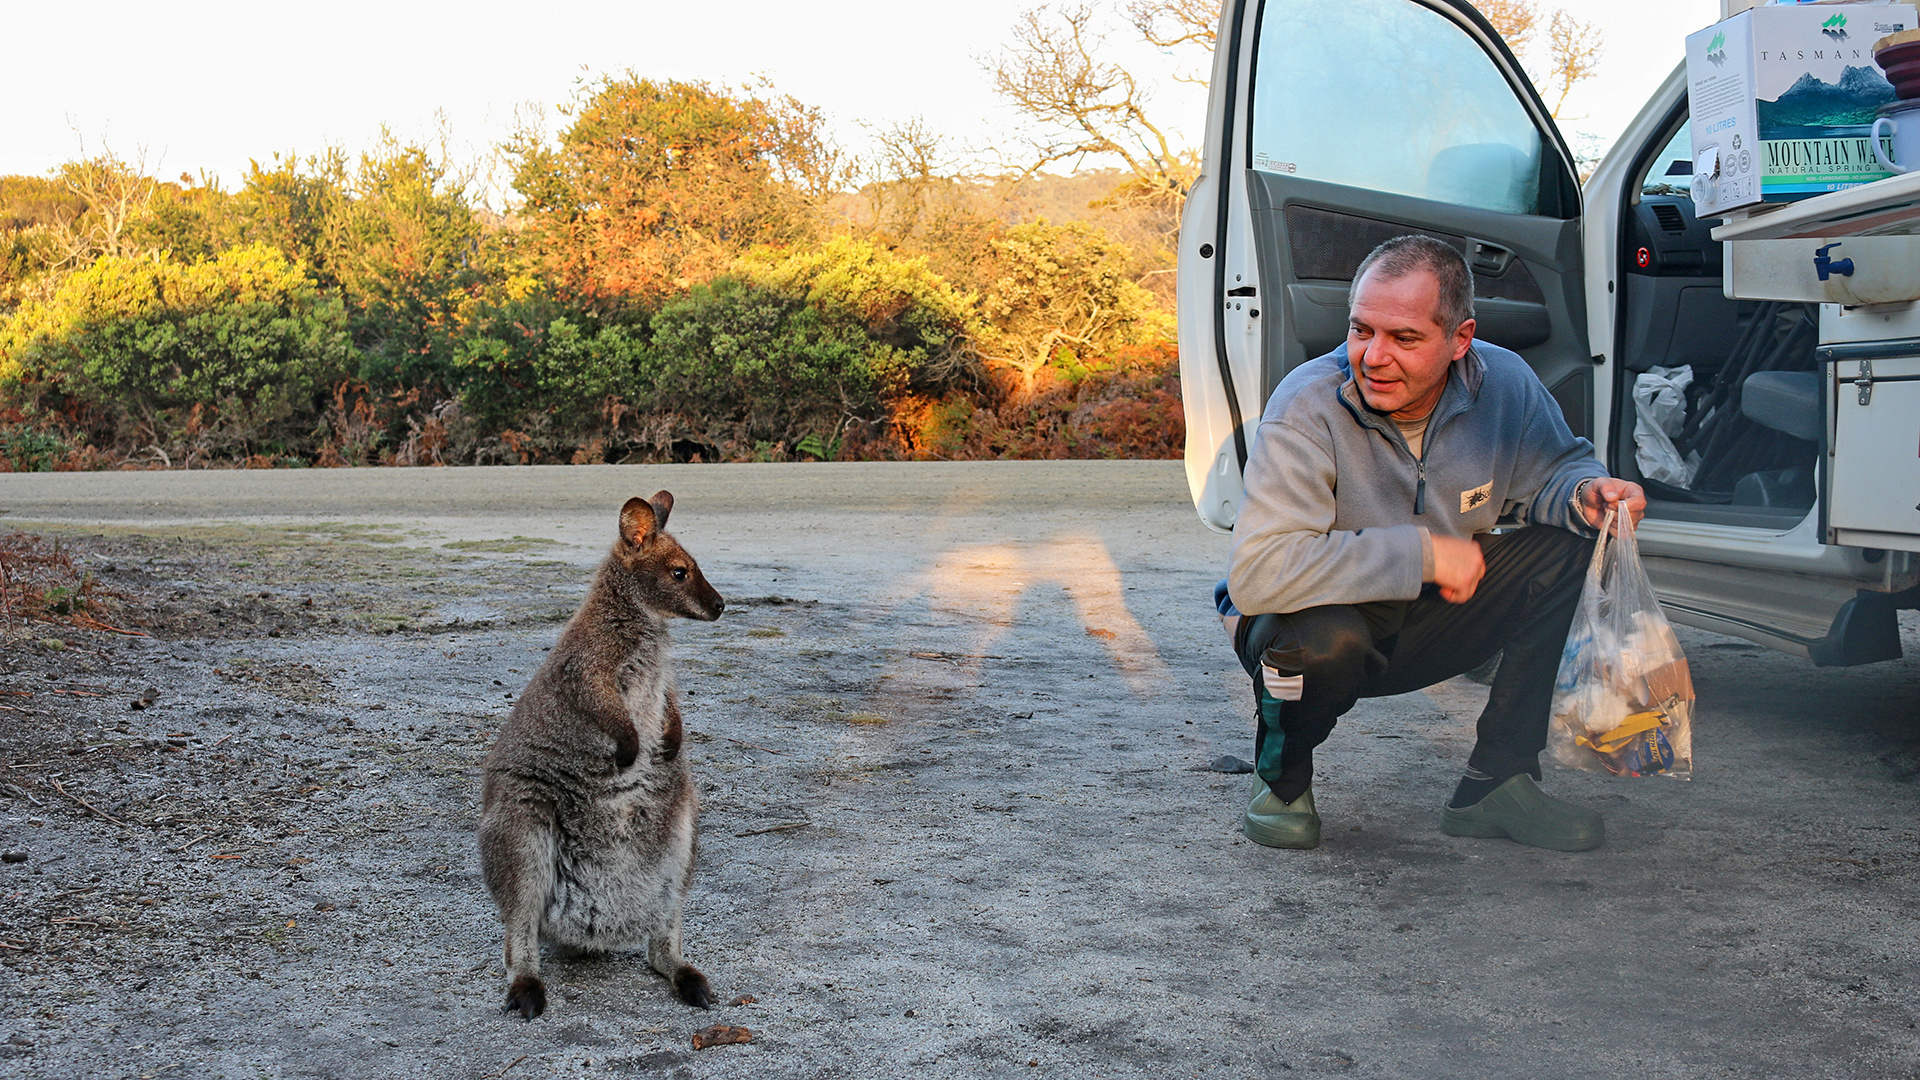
<point x="1398" y="350"/>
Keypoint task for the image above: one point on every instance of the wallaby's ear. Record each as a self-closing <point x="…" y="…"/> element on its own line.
<point x="662" y="503"/>
<point x="638" y="521"/>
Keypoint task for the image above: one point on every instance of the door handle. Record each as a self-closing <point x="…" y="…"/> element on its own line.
<point x="1488" y="258"/>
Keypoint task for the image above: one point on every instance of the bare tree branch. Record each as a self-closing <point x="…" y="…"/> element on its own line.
<point x="115" y="192"/>
<point x="1515" y="19"/>
<point x="1170" y="24"/>
<point x="911" y="179"/>
<point x="1083" y="106"/>
<point x="1575" y="47"/>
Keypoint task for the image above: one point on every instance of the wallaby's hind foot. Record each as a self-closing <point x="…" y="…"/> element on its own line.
<point x="691" y="987"/>
<point x="663" y="955"/>
<point x="528" y="997"/>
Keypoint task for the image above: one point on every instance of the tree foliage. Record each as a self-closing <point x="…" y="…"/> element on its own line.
<point x="655" y="186"/>
<point x="1058" y="294"/>
<point x="681" y="280"/>
<point x="295" y="206"/>
<point x="404" y="247"/>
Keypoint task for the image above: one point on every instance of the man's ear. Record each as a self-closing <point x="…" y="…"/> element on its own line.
<point x="1463" y="339"/>
<point x="638" y="522"/>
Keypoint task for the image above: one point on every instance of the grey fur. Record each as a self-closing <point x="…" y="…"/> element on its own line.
<point x="587" y="817"/>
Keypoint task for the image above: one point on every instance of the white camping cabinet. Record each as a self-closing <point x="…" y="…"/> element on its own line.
<point x="1793" y="518"/>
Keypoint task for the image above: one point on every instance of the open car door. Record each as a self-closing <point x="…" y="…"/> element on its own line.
<point x="1331" y="128"/>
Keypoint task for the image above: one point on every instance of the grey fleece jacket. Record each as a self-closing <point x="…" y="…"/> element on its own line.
<point x="1334" y="499"/>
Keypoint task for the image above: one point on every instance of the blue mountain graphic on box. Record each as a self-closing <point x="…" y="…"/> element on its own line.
<point x="1809" y="102"/>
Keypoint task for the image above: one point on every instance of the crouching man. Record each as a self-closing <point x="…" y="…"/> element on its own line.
<point x="1363" y="557"/>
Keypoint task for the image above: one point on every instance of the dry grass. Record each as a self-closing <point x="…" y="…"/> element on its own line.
<point x="40" y="584"/>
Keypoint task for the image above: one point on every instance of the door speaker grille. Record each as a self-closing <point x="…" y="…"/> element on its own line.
<point x="1329" y="246"/>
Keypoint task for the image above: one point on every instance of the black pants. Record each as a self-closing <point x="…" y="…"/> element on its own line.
<point x="1345" y="652"/>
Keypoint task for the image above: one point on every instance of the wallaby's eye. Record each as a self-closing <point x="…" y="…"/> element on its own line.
<point x="679" y="573"/>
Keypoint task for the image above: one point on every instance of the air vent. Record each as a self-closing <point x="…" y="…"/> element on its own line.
<point x="1671" y="219"/>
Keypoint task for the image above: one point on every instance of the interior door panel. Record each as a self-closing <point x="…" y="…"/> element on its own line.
<point x="1318" y="313"/>
<point x="1311" y="236"/>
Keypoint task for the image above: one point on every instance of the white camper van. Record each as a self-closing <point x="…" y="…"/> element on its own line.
<point x="1785" y="504"/>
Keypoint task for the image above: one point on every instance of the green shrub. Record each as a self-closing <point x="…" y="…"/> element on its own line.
<point x="524" y="361"/>
<point x="232" y="353"/>
<point x="1126" y="406"/>
<point x="25" y="448"/>
<point x="733" y="364"/>
<point x="403" y="250"/>
<point x="392" y="234"/>
<point x="793" y="350"/>
<point x="186" y="222"/>
<point x="896" y="300"/>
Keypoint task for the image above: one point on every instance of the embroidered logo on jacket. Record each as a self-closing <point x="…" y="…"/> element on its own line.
<point x="1474" y="499"/>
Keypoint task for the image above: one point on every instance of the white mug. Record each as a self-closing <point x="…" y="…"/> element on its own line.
<point x="1905" y="139"/>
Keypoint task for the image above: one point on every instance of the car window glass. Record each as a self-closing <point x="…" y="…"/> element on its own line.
<point x="1390" y="96"/>
<point x="1671" y="170"/>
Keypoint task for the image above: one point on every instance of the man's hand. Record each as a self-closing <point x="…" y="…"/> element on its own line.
<point x="1607" y="491"/>
<point x="1458" y="567"/>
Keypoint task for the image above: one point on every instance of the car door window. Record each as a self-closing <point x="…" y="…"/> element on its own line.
<point x="1671" y="170"/>
<point x="1390" y="96"/>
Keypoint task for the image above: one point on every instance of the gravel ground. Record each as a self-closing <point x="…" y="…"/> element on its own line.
<point x="951" y="736"/>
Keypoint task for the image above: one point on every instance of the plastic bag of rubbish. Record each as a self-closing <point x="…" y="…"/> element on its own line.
<point x="1659" y="413"/>
<point x="1623" y="700"/>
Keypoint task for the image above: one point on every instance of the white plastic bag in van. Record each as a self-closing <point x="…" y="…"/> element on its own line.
<point x="1659" y="412"/>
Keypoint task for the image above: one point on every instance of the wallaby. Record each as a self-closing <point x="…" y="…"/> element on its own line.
<point x="587" y="807"/>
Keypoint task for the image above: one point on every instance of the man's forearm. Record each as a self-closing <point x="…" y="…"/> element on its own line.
<point x="1291" y="571"/>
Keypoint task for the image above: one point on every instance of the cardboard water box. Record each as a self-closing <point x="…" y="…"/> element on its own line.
<point x="1782" y="101"/>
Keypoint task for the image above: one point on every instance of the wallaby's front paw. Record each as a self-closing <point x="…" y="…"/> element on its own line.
<point x="528" y="997"/>
<point x="626" y="747"/>
<point x="691" y="987"/>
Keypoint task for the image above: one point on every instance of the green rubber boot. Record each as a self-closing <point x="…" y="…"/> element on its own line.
<point x="1283" y="825"/>
<point x="1520" y="810"/>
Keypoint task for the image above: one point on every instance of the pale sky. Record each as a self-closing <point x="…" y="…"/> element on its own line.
<point x="203" y="86"/>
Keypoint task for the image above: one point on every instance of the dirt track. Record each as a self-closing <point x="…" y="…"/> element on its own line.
<point x="951" y="735"/>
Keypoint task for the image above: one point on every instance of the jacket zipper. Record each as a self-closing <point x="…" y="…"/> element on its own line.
<point x="1420" y="463"/>
<point x="1426" y="444"/>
